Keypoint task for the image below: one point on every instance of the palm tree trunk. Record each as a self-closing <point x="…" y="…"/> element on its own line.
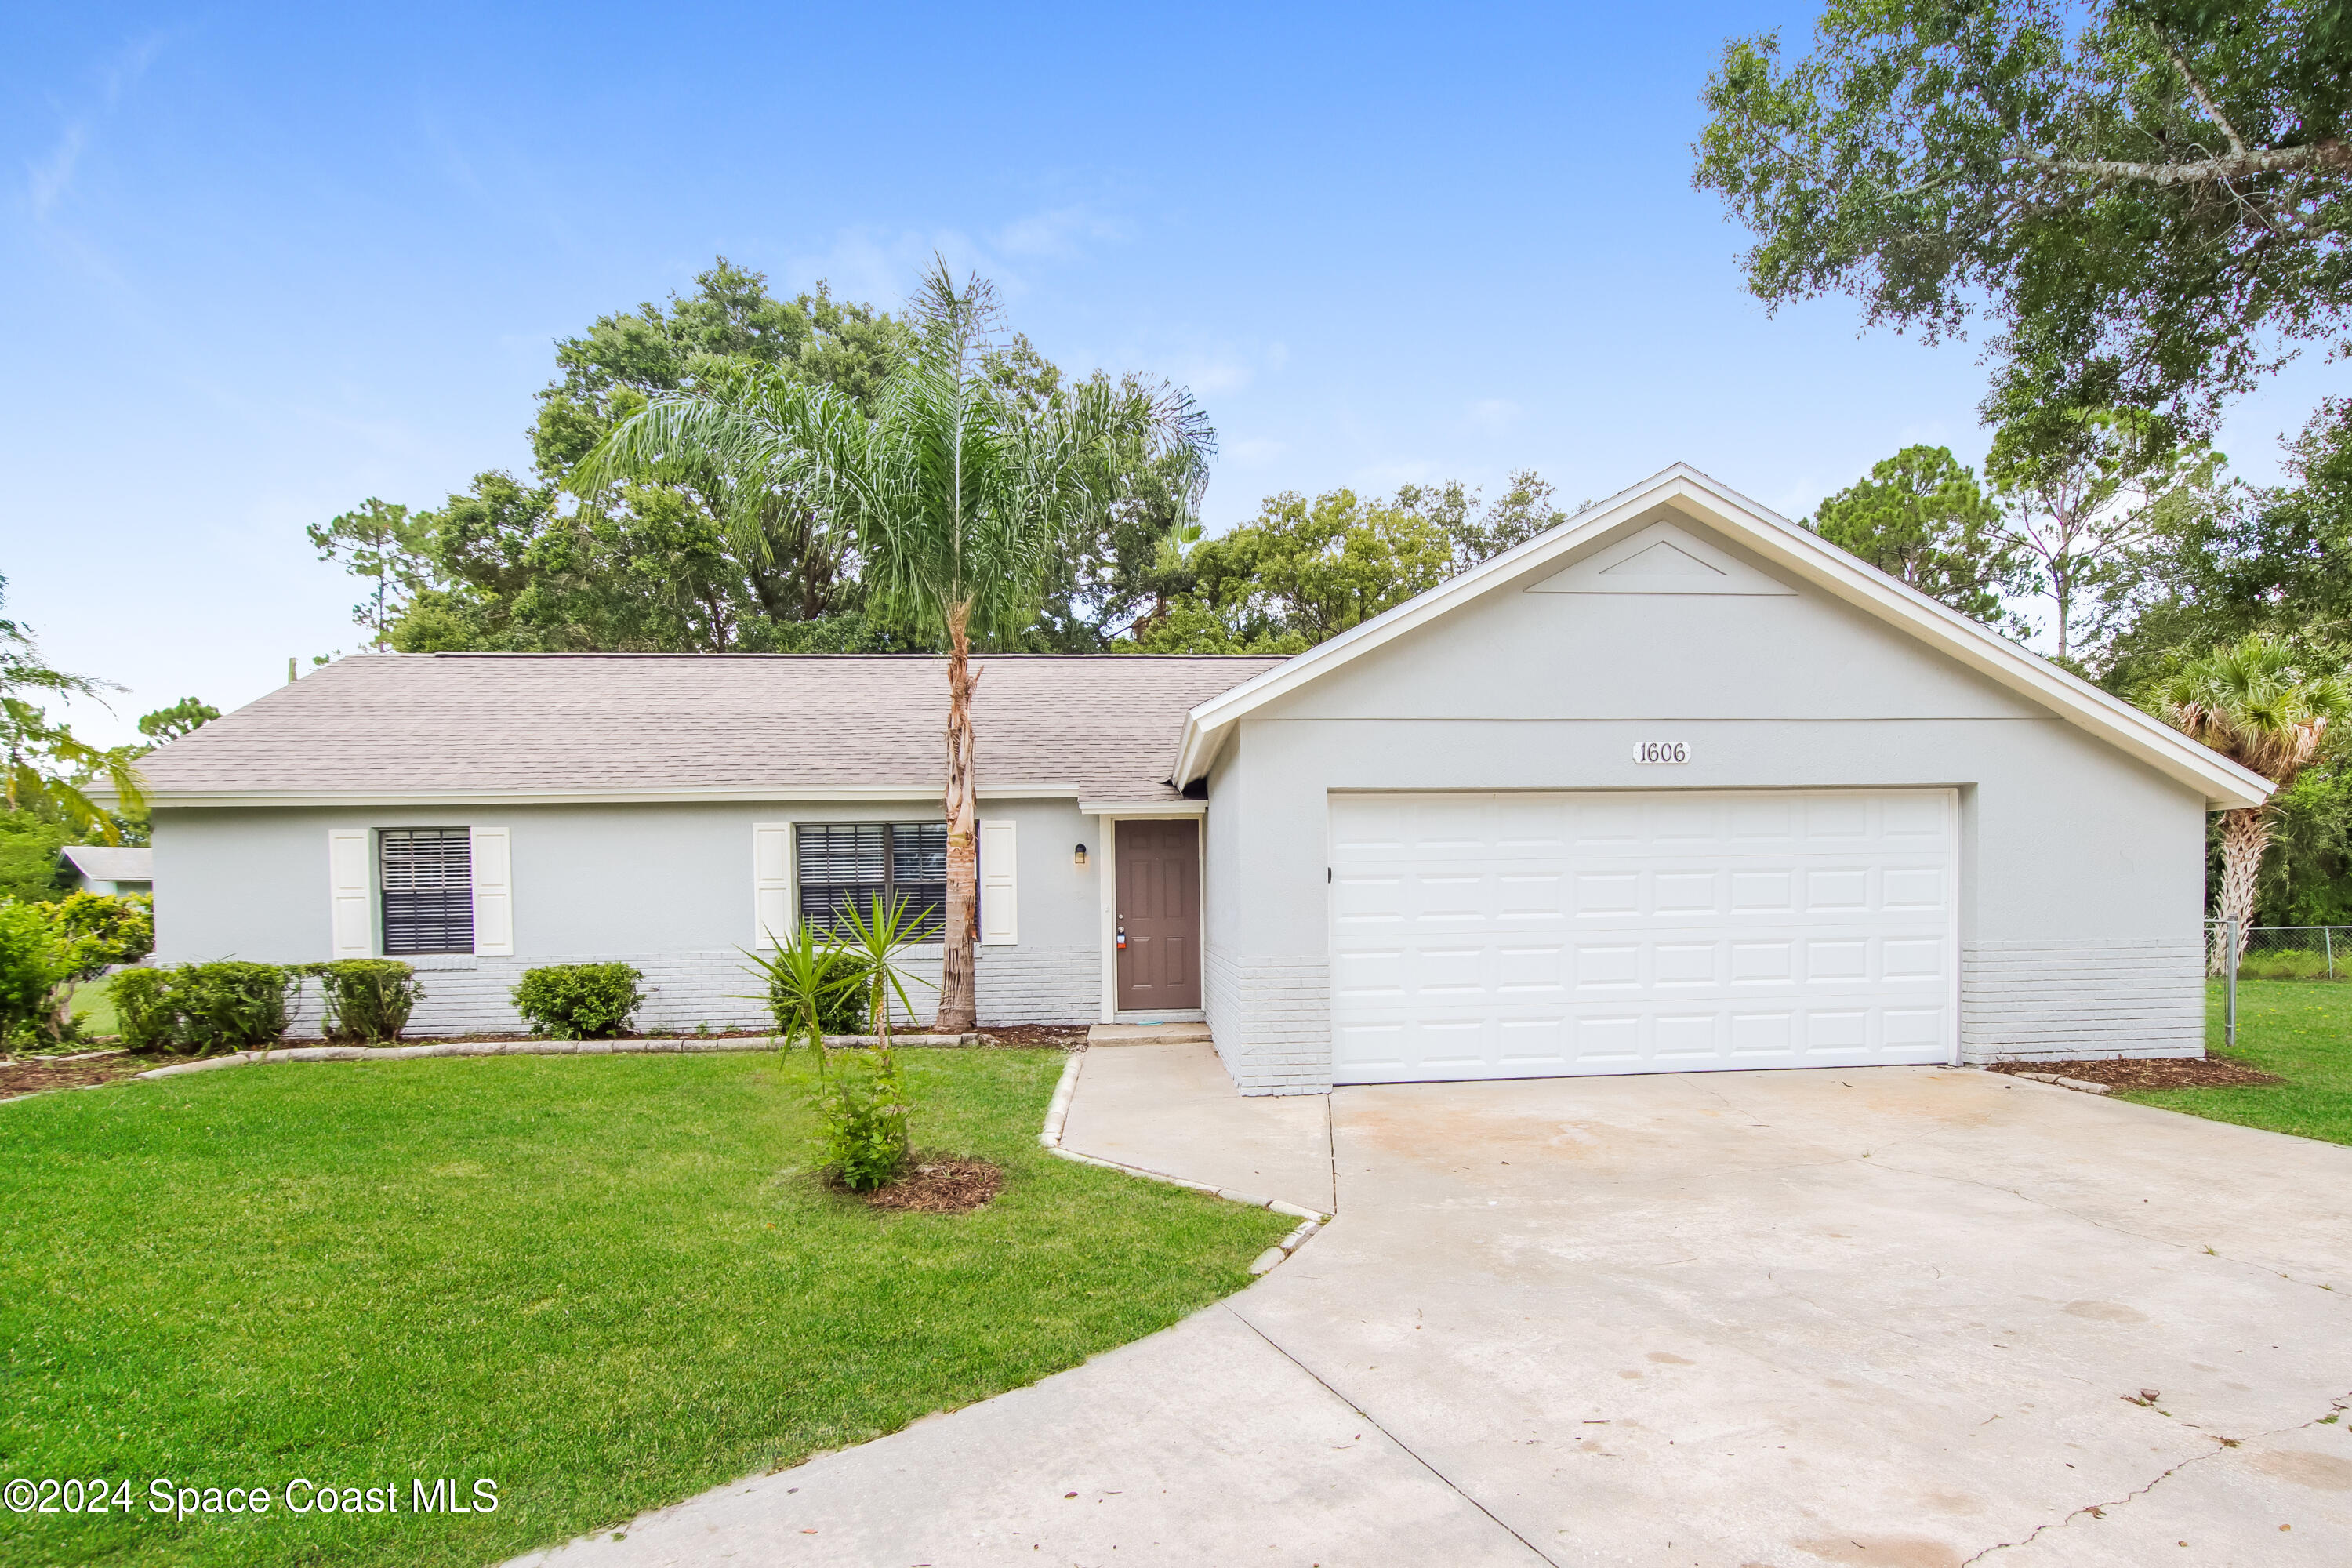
<point x="2245" y="834"/>
<point x="956" y="996"/>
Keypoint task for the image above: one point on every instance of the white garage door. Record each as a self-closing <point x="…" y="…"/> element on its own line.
<point x="1536" y="935"/>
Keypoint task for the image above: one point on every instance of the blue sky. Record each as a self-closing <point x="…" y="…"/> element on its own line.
<point x="259" y="263"/>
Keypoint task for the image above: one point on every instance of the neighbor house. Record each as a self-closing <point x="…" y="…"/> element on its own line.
<point x="1674" y="786"/>
<point x="108" y="868"/>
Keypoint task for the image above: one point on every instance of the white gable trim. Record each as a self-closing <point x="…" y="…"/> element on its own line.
<point x="1824" y="565"/>
<point x="1662" y="559"/>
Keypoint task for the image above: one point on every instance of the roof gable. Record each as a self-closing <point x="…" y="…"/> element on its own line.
<point x="1786" y="547"/>
<point x="1661" y="559"/>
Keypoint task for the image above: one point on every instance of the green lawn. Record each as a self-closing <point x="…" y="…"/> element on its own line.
<point x="96" y="998"/>
<point x="596" y="1281"/>
<point x="2301" y="1030"/>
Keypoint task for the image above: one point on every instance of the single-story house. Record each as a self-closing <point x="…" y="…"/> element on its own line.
<point x="110" y="868"/>
<point x="1674" y="786"/>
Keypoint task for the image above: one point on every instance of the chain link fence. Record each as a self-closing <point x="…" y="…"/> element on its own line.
<point x="2296" y="953"/>
<point x="2272" y="952"/>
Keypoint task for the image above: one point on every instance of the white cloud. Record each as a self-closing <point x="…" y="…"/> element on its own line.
<point x="54" y="174"/>
<point x="1056" y="234"/>
<point x="49" y="178"/>
<point x="869" y="264"/>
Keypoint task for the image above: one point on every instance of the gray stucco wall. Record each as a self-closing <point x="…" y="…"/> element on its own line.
<point x="2082" y="871"/>
<point x="668" y="887"/>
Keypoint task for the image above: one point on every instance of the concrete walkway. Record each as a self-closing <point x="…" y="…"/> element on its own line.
<point x="1172" y="1109"/>
<point x="1902" y="1316"/>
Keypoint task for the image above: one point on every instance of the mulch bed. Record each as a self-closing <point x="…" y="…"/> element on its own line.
<point x="934" y="1184"/>
<point x="2155" y="1073"/>
<point x="30" y="1075"/>
<point x="1054" y="1037"/>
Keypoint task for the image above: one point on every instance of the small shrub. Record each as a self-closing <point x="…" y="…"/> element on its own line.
<point x="366" y="999"/>
<point x="861" y="1108"/>
<point x="843" y="1007"/>
<point x="204" y="1007"/>
<point x="809" y="972"/>
<point x="28" y="969"/>
<point x="143" y="1007"/>
<point x="579" y="1001"/>
<point x="48" y="949"/>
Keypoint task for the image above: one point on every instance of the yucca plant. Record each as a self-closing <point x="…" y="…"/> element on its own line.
<point x="859" y="1097"/>
<point x="862" y="1107"/>
<point x="2254" y="702"/>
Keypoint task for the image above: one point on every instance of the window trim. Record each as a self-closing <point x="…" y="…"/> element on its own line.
<point x="384" y="890"/>
<point x="934" y="933"/>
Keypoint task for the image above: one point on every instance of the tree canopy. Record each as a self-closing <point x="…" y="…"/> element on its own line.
<point x="2148" y="199"/>
<point x="1921" y="518"/>
<point x="45" y="771"/>
<point x="1303" y="571"/>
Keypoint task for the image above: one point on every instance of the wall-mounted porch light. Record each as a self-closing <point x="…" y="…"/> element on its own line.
<point x="1078" y="856"/>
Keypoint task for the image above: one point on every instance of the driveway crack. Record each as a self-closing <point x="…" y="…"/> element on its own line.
<point x="2023" y="1196"/>
<point x="1373" y="1422"/>
<point x="2221" y="1445"/>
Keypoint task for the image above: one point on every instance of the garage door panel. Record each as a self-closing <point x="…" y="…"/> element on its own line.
<point x="1913" y="1027"/>
<point x="1604" y="1038"/>
<point x="1524" y="896"/>
<point x="1923" y="817"/>
<point x="1837" y="889"/>
<point x="1608" y="893"/>
<point x="1687" y="964"/>
<point x="1839" y="1033"/>
<point x="1684" y="892"/>
<point x="1604" y="967"/>
<point x="1522" y="935"/>
<point x="1837" y="962"/>
<point x="1685" y="1037"/>
<point x="1539" y="1042"/>
<point x="1763" y="1034"/>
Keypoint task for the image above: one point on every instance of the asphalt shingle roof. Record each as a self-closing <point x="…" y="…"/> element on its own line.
<point x="453" y="723"/>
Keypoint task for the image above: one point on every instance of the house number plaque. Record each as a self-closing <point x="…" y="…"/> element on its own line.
<point x="1653" y="753"/>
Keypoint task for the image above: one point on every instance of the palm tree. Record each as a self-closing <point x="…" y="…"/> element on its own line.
<point x="959" y="492"/>
<point x="2252" y="702"/>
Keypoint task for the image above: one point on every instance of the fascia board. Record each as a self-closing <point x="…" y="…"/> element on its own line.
<point x="1142" y="807"/>
<point x="2099" y="713"/>
<point x="2224" y="783"/>
<point x="782" y="795"/>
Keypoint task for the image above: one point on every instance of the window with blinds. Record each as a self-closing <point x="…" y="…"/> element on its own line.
<point x="427" y="878"/>
<point x="847" y="865"/>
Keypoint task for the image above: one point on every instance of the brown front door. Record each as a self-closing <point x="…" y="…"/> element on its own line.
<point x="1159" y="911"/>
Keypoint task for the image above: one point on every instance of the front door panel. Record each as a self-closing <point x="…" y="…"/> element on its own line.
<point x="1159" y="911"/>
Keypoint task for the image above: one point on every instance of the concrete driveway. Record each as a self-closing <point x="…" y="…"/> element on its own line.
<point x="1901" y="1316"/>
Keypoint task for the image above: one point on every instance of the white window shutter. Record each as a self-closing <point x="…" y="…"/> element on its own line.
<point x="350" y="888"/>
<point x="493" y="891"/>
<point x="771" y="883"/>
<point x="1000" y="883"/>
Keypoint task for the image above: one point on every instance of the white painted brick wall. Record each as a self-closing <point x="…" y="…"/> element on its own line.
<point x="1221" y="1004"/>
<point x="471" y="996"/>
<point x="1281" y="1043"/>
<point x="2061" y="1001"/>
